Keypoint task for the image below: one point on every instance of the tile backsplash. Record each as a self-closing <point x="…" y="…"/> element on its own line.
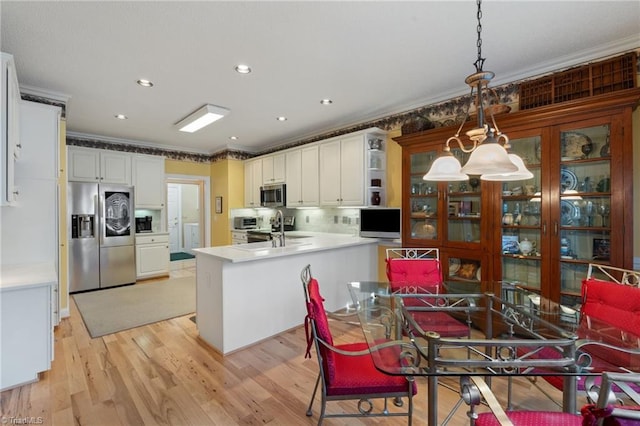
<point x="332" y="220"/>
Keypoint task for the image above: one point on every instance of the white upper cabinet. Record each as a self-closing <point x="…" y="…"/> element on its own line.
<point x="100" y="166"/>
<point x="342" y="172"/>
<point x="39" y="139"/>
<point x="148" y="180"/>
<point x="252" y="183"/>
<point x="302" y="177"/>
<point x="333" y="172"/>
<point x="273" y="169"/>
<point x="9" y="128"/>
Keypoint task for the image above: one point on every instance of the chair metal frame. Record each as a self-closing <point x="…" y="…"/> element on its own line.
<point x="365" y="405"/>
<point x="617" y="275"/>
<point x="474" y="390"/>
<point x="413" y="253"/>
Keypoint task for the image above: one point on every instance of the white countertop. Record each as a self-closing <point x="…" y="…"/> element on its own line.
<point x="27" y="274"/>
<point x="314" y="241"/>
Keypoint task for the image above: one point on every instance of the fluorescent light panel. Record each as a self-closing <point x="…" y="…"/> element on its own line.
<point x="201" y="118"/>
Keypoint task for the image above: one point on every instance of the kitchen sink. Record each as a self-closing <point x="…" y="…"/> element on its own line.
<point x="266" y="245"/>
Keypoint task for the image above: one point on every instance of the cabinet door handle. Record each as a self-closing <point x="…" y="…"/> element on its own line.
<point x="544" y="228"/>
<point x="555" y="228"/>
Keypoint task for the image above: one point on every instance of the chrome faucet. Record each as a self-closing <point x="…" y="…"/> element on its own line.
<point x="279" y="235"/>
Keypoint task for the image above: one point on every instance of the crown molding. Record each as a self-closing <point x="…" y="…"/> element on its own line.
<point x="42" y="93"/>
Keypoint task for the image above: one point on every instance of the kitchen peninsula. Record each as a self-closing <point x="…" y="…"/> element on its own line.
<point x="249" y="292"/>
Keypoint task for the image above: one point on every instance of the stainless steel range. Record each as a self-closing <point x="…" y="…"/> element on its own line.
<point x="256" y="236"/>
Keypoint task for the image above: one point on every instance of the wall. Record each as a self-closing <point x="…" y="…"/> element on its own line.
<point x="227" y="181"/>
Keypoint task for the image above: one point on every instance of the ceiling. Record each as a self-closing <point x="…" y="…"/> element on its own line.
<point x="373" y="59"/>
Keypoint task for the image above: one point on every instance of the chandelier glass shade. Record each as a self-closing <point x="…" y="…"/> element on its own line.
<point x="488" y="158"/>
<point x="521" y="174"/>
<point x="446" y="167"/>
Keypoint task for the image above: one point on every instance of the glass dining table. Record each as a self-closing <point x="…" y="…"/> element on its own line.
<point x="510" y="335"/>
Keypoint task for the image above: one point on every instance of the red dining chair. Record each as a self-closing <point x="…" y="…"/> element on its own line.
<point x="474" y="390"/>
<point x="346" y="371"/>
<point x="418" y="271"/>
<point x="617" y="402"/>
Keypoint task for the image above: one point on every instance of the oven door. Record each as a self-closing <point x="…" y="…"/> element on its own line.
<point x="258" y="236"/>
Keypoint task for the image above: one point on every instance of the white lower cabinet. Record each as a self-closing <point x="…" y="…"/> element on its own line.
<point x="26" y="322"/>
<point x="152" y="255"/>
<point x="239" y="237"/>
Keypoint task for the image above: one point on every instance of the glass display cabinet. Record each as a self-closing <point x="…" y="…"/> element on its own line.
<point x="538" y="234"/>
<point x="584" y="221"/>
<point x="463" y="207"/>
<point x="521" y="218"/>
<point x="423" y="198"/>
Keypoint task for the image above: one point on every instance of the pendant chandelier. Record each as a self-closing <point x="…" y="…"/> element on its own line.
<point x="489" y="159"/>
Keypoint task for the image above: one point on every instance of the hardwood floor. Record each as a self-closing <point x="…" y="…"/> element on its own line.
<point x="163" y="374"/>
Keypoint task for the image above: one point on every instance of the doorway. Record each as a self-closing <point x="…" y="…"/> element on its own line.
<point x="185" y="217"/>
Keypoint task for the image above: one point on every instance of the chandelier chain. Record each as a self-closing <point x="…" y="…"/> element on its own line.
<point x="480" y="61"/>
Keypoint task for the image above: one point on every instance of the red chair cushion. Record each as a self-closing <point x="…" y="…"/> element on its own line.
<point x="532" y="418"/>
<point x="616" y="304"/>
<point x="424" y="272"/>
<point x="315" y="310"/>
<point x="442" y="323"/>
<point x="357" y="375"/>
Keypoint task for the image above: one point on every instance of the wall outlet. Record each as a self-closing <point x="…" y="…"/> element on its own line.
<point x="335" y="219"/>
<point x="306" y="219"/>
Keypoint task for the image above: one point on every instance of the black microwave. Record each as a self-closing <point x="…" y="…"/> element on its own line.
<point x="144" y="224"/>
<point x="273" y="195"/>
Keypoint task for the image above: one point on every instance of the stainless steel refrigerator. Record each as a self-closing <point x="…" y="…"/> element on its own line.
<point x="101" y="236"/>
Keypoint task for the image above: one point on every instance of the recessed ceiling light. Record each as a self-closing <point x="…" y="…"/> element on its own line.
<point x="233" y="138"/>
<point x="243" y="69"/>
<point x="326" y="101"/>
<point x="121" y="116"/>
<point x="145" y="83"/>
<point x="281" y="118"/>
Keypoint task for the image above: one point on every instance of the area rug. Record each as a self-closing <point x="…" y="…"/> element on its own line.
<point x="180" y="256"/>
<point x="116" y="309"/>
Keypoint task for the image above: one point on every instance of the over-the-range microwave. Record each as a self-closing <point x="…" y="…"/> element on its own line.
<point x="273" y="195"/>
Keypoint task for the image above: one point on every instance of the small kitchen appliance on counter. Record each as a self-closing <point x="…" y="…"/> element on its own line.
<point x="144" y="224"/>
<point x="245" y="222"/>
